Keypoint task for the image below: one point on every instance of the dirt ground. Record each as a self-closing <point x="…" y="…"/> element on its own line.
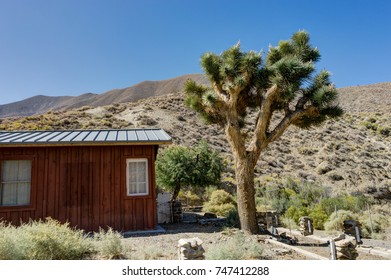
<point x="163" y="246"/>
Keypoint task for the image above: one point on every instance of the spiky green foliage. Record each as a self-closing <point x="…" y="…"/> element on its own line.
<point x="290" y="66"/>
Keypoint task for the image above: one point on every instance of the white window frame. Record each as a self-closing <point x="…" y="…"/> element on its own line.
<point x="15" y="182"/>
<point x="133" y="160"/>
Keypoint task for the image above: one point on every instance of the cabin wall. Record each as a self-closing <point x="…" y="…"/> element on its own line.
<point x="85" y="186"/>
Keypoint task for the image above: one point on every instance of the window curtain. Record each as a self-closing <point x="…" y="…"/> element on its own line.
<point x="137" y="177"/>
<point x="16" y="182"/>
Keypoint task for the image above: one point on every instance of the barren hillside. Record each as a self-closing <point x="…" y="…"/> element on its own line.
<point x="374" y="98"/>
<point x="40" y="104"/>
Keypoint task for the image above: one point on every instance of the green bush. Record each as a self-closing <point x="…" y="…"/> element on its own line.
<point x="109" y="244"/>
<point x="236" y="248"/>
<point x="220" y="210"/>
<point x="281" y="194"/>
<point x="232" y="219"/>
<point x="335" y="221"/>
<point x="295" y="213"/>
<point x="220" y="203"/>
<point x="318" y="216"/>
<point x="194" y="168"/>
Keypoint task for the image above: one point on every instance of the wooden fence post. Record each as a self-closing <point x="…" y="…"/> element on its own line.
<point x="333" y="250"/>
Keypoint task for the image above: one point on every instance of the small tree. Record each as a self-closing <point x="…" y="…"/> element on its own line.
<point x="284" y="90"/>
<point x="179" y="166"/>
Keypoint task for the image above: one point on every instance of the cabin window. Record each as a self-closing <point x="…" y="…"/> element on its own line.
<point x="137" y="177"/>
<point x="15" y="184"/>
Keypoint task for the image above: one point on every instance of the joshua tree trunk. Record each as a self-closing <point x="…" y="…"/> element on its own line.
<point x="244" y="172"/>
<point x="246" y="195"/>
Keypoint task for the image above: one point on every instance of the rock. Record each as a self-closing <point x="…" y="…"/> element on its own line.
<point x="346" y="249"/>
<point x="190" y="249"/>
<point x="210" y="215"/>
<point x="281" y="251"/>
<point x="306" y="227"/>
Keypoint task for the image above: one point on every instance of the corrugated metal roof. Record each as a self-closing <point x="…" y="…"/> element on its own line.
<point x="84" y="137"/>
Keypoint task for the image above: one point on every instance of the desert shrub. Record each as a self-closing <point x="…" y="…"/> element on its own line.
<point x="208" y="192"/>
<point x="190" y="198"/>
<point x="347" y="202"/>
<point x="295" y="213"/>
<point x="289" y="222"/>
<point x="151" y="252"/>
<point x="318" y="216"/>
<point x="273" y="197"/>
<point x="108" y="244"/>
<point x="220" y="209"/>
<point x="336" y="219"/>
<point x="220" y="203"/>
<point x="9" y="247"/>
<point x="370" y="125"/>
<point x="221" y="197"/>
<point x="280" y="194"/>
<point x="232" y="219"/>
<point x="42" y="240"/>
<point x="384" y="130"/>
<point x="236" y="248"/>
<point x="51" y="240"/>
<point x="307" y="151"/>
<point x="380" y="222"/>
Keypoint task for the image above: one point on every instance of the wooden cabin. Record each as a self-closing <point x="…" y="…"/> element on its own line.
<point x="90" y="178"/>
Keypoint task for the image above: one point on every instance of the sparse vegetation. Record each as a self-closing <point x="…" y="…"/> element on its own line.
<point x="336" y="219"/>
<point x="108" y="244"/>
<point x="52" y="240"/>
<point x="237" y="247"/>
<point x="47" y="240"/>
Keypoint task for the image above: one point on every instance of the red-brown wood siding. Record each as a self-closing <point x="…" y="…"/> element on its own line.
<point x="85" y="186"/>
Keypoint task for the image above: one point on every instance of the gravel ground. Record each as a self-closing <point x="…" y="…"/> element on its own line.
<point x="163" y="246"/>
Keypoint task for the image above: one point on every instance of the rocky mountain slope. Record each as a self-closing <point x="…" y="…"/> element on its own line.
<point x="350" y="155"/>
<point x="40" y="104"/>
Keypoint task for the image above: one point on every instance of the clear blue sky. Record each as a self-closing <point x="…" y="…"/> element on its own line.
<point x="70" y="47"/>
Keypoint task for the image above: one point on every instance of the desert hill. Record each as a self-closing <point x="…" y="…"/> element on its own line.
<point x="40" y="104"/>
<point x="370" y="98"/>
<point x="349" y="155"/>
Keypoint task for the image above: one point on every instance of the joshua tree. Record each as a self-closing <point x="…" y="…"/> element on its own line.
<point x="284" y="89"/>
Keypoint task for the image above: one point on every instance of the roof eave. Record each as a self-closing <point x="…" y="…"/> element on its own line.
<point x="106" y="143"/>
